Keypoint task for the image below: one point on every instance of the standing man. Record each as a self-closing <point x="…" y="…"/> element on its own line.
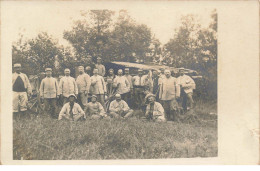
<point x="154" y="110"/>
<point x="169" y="91"/>
<point x="21" y="88"/>
<point x="41" y="76"/>
<point x="129" y="94"/>
<point x="101" y="68"/>
<point x="122" y="84"/>
<point x="155" y="80"/>
<point x="139" y="88"/>
<point x="99" y="87"/>
<point x="83" y="82"/>
<point x="110" y="81"/>
<point x="187" y="86"/>
<point x="67" y="86"/>
<point x="119" y="108"/>
<point x="49" y="92"/>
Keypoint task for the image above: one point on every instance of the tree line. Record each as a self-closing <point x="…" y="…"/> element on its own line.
<point x="99" y="33"/>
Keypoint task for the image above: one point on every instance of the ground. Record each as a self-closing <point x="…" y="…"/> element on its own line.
<point x="43" y="138"/>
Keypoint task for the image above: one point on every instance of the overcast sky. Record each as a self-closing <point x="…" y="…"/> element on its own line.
<point x="54" y="17"/>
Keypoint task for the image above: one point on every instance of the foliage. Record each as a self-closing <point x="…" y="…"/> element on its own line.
<point x="37" y="54"/>
<point x="98" y="36"/>
<point x="195" y="47"/>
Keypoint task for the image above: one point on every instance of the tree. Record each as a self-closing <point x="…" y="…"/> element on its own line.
<point x="129" y="39"/>
<point x="183" y="48"/>
<point x="100" y="36"/>
<point x="37" y="54"/>
<point x="196" y="48"/>
<point x="91" y="37"/>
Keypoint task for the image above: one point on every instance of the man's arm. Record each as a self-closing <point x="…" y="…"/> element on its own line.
<point x="102" y="110"/>
<point x="75" y="87"/>
<point x="125" y="106"/>
<point x="104" y="85"/>
<point x="127" y="83"/>
<point x="81" y="112"/>
<point x="60" y="86"/>
<point x="103" y="71"/>
<point x="178" y="89"/>
<point x="112" y="107"/>
<point x="146" y="111"/>
<point x="42" y="88"/>
<point x="88" y="82"/>
<point x="160" y="110"/>
<point x="29" y="88"/>
<point x="57" y="87"/>
<point x="62" y="112"/>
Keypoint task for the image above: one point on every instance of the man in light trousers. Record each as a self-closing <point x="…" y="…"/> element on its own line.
<point x="169" y="91"/>
<point x="21" y="88"/>
<point x="49" y="92"/>
<point x="83" y="82"/>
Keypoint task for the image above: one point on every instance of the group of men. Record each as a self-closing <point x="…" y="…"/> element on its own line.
<point x="158" y="94"/>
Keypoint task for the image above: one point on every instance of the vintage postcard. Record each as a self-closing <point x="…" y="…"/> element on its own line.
<point x="122" y="82"/>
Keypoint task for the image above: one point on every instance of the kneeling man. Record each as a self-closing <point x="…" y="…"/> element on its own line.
<point x="119" y="108"/>
<point x="71" y="110"/>
<point x="94" y="109"/>
<point x="154" y="110"/>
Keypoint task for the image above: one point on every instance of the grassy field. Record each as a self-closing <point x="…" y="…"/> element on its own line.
<point x="43" y="138"/>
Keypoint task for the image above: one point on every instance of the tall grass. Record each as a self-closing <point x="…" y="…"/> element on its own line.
<point x="43" y="138"/>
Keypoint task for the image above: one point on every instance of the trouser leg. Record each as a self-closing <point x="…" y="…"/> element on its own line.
<point x="191" y="102"/>
<point x="184" y="101"/>
<point x="101" y="100"/>
<point x="83" y="100"/>
<point x="23" y="99"/>
<point x="53" y="109"/>
<point x="16" y="102"/>
<point x="129" y="113"/>
<point x="129" y="99"/>
<point x="95" y="117"/>
<point x="47" y="106"/>
<point x="165" y="108"/>
<point x="114" y="114"/>
<point x="77" y="117"/>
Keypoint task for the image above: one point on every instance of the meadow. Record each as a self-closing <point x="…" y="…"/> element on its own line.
<point x="43" y="138"/>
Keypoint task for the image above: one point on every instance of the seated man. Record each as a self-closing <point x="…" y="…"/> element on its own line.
<point x="119" y="108"/>
<point x="154" y="110"/>
<point x="94" y="109"/>
<point x="71" y="110"/>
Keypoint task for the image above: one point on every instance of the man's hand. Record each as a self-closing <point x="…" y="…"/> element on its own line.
<point x="86" y="92"/>
<point x="29" y="94"/>
<point x="58" y="96"/>
<point x="132" y="91"/>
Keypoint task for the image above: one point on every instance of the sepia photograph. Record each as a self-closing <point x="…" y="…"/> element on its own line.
<point x="117" y="82"/>
<point x="114" y="84"/>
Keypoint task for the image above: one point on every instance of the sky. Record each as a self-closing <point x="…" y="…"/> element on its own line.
<point x="31" y="18"/>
